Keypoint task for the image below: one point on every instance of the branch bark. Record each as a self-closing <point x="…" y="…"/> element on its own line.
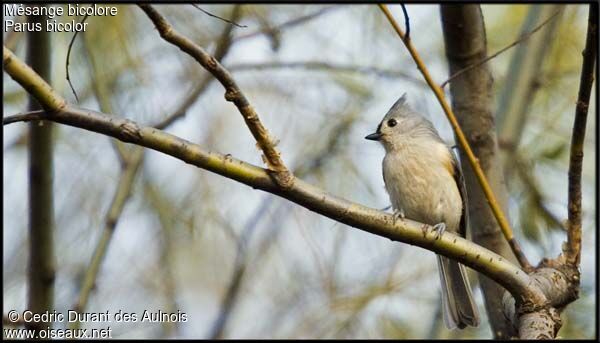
<point x="41" y="271"/>
<point x="573" y="246"/>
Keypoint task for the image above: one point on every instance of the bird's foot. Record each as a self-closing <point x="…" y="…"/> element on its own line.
<point x="439" y="229"/>
<point x="398" y="215"/>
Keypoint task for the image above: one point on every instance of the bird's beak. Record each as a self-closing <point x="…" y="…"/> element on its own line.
<point x="374" y="136"/>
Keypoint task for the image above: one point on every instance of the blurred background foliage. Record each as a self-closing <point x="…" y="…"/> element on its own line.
<point x="245" y="264"/>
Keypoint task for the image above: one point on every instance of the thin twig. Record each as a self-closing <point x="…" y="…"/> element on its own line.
<point x="69" y="57"/>
<point x="462" y="140"/>
<point x="406" y="22"/>
<point x="484" y="60"/>
<point x="232" y="22"/>
<point x="573" y="246"/>
<point x="233" y="94"/>
<point x="287" y="24"/>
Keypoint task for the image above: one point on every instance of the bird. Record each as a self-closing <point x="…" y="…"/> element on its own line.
<point x="424" y="182"/>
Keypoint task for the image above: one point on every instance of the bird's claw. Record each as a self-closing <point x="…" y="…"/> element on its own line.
<point x="398" y="215"/>
<point x="439" y="229"/>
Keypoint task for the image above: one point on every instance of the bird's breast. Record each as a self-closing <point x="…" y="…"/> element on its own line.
<point x="421" y="184"/>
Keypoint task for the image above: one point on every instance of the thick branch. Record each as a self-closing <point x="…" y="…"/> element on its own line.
<point x="101" y="92"/>
<point x="532" y="321"/>
<point x="573" y="248"/>
<point x="304" y="194"/>
<point x="232" y="93"/>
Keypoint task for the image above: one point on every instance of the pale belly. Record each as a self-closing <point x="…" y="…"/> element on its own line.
<point x="423" y="190"/>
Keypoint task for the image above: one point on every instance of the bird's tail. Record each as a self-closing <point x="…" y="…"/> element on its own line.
<point x="459" y="309"/>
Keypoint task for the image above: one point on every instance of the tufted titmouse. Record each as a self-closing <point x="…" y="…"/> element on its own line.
<point x="424" y="182"/>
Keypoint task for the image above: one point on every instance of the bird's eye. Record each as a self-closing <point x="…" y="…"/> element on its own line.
<point x="392" y="122"/>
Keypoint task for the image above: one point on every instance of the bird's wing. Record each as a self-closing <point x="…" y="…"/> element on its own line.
<point x="460" y="182"/>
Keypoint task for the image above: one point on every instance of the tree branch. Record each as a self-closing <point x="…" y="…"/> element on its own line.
<point x="573" y="246"/>
<point x="300" y="192"/>
<point x="520" y="86"/>
<point x="462" y="140"/>
<point x="69" y="58"/>
<point x="231" y="21"/>
<point x="232" y="93"/>
<point x="406" y="21"/>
